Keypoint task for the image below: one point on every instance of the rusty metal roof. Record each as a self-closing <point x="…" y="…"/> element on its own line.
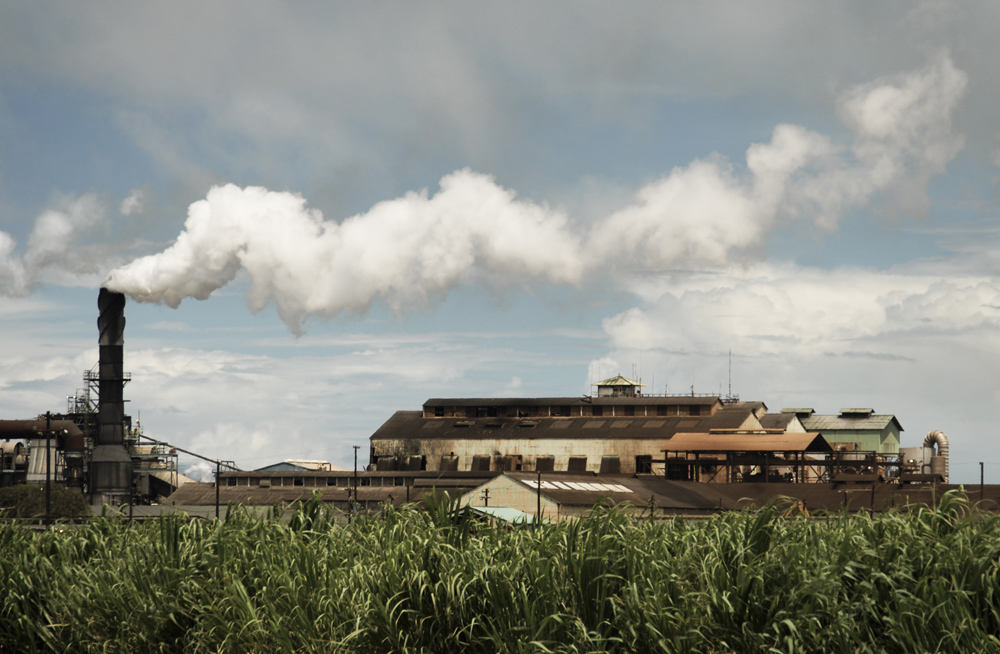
<point x="760" y="442"/>
<point x="411" y="424"/>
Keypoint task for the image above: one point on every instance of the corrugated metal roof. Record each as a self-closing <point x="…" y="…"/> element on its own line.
<point x="823" y="423"/>
<point x="785" y="442"/>
<point x="404" y="425"/>
<point x="513" y="516"/>
<point x="669" y="400"/>
<point x="777" y="420"/>
<point x="586" y="490"/>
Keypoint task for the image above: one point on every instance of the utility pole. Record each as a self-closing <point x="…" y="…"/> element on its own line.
<point x="538" y="508"/>
<point x="981" y="478"/>
<point x="486" y="497"/>
<point x="351" y="508"/>
<point x="48" y="467"/>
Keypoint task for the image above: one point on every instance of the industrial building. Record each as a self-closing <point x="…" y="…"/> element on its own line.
<point x="93" y="445"/>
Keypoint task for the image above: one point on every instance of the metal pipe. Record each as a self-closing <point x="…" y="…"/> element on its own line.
<point x="938" y="438"/>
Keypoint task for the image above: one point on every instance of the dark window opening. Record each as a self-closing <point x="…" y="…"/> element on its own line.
<point x="629" y="410"/>
<point x="598" y="411"/>
<point x="678" y="471"/>
<point x="577" y="464"/>
<point x="661" y="410"/>
<point x="231" y="481"/>
<point x="545" y="463"/>
<point x="610" y="464"/>
<point x="298" y="481"/>
<point x="644" y="463"/>
<point x="695" y="410"/>
<point x="439" y="411"/>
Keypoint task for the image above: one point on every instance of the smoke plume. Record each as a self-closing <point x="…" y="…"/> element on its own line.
<point x="54" y="253"/>
<point x="412" y="250"/>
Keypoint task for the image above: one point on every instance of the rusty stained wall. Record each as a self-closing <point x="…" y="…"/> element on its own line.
<point x="561" y="448"/>
<point x="507" y="493"/>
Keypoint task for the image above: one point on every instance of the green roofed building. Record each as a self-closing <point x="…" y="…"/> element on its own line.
<point x="854" y="429"/>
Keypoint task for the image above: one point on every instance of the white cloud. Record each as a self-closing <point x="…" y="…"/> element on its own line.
<point x="134" y="204"/>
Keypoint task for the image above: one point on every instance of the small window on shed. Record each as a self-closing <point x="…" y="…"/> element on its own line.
<point x="577" y="464"/>
<point x="331" y="481"/>
<point x="598" y="410"/>
<point x="231" y="481"/>
<point x="439" y="411"/>
<point x="694" y="410"/>
<point x="629" y="410"/>
<point x="298" y="481"/>
<point x="480" y="464"/>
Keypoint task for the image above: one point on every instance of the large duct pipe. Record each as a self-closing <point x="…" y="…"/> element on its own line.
<point x="940" y="465"/>
<point x="111" y="466"/>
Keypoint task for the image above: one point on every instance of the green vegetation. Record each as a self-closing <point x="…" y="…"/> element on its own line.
<point x="28" y="501"/>
<point x="414" y="581"/>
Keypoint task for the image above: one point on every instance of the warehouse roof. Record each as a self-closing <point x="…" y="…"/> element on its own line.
<point x="849" y="422"/>
<point x="671" y="400"/>
<point x="412" y="424"/>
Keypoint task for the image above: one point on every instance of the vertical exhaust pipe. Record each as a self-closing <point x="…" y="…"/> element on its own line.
<point x="111" y="466"/>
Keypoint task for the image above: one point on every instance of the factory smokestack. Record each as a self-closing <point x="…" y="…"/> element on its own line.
<point x="111" y="466"/>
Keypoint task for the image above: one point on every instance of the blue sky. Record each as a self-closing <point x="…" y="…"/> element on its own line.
<point x="497" y="201"/>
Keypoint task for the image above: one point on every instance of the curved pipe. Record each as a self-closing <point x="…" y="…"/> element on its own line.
<point x="938" y="438"/>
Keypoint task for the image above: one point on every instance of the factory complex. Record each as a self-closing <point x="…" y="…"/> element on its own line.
<point x="556" y="457"/>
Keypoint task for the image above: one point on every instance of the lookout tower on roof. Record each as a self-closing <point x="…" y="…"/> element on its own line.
<point x="618" y="386"/>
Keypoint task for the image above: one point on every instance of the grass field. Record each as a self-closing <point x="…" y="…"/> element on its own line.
<point x="424" y="581"/>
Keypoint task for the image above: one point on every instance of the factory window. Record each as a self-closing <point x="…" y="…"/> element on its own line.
<point x="560" y="410"/>
<point x="298" y="481"/>
<point x="439" y="411"/>
<point x="644" y="463"/>
<point x="231" y="481"/>
<point x="399" y="481"/>
<point x="598" y="411"/>
<point x="470" y="412"/>
<point x="545" y="463"/>
<point x="661" y="410"/>
<point x="610" y="464"/>
<point x="366" y="481"/>
<point x="630" y="410"/>
<point x="694" y="410"/>
<point x="331" y="481"/>
<point x="577" y="464"/>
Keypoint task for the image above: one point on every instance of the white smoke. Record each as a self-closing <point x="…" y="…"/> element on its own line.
<point x="53" y="253"/>
<point x="414" y="249"/>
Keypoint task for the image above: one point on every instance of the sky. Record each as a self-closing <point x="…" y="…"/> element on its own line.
<point x="326" y="212"/>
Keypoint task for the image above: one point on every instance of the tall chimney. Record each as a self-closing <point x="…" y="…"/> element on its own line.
<point x="111" y="466"/>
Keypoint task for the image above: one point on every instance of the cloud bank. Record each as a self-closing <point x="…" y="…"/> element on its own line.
<point x="412" y="250"/>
